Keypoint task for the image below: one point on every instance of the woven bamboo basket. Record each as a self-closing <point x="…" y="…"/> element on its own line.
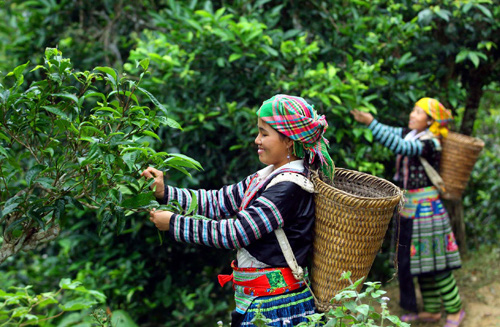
<point x="352" y="216"/>
<point x="460" y="153"/>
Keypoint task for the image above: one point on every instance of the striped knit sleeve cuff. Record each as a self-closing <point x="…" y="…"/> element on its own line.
<point x="174" y="229"/>
<point x="166" y="195"/>
<point x="373" y="124"/>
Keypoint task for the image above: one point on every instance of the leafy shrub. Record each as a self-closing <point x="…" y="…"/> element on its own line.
<point x="21" y="307"/>
<point x="482" y="196"/>
<point x="211" y="68"/>
<point x="70" y="156"/>
<point x="62" y="148"/>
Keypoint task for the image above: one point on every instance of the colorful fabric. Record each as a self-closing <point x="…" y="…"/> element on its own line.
<point x="256" y="184"/>
<point x="284" y="205"/>
<point x="410" y="174"/>
<point x="285" y="310"/>
<point x="440" y="290"/>
<point x="250" y="283"/>
<point x="438" y="112"/>
<point x="392" y="138"/>
<point x="433" y="245"/>
<point x="250" y="224"/>
<point x="295" y="118"/>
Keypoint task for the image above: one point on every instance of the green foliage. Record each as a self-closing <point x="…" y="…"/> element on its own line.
<point x="461" y="47"/>
<point x="20" y="307"/>
<point x="482" y="198"/>
<point x="117" y="318"/>
<point x="91" y="33"/>
<point x="68" y="147"/>
<point x="135" y="273"/>
<point x="353" y="308"/>
<point x="65" y="143"/>
<point x="217" y="66"/>
<point x="212" y="64"/>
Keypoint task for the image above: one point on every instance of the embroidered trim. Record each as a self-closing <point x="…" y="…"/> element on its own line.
<point x="298" y="179"/>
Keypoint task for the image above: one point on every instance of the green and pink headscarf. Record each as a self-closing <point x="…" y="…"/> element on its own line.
<point x="295" y="118"/>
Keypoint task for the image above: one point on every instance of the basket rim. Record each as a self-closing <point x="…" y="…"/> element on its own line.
<point x="399" y="194"/>
<point x="468" y="139"/>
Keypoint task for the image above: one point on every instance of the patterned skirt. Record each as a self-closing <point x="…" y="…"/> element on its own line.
<point x="288" y="309"/>
<point x="433" y="246"/>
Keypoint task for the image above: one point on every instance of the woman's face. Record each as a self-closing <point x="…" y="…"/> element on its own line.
<point x="419" y="119"/>
<point x="272" y="149"/>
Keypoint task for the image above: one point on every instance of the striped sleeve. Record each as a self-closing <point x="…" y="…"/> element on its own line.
<point x="391" y="137"/>
<point x="213" y="204"/>
<point x="266" y="214"/>
<point x="398" y="131"/>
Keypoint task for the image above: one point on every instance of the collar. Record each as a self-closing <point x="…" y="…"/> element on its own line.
<point x="413" y="135"/>
<point x="296" y="164"/>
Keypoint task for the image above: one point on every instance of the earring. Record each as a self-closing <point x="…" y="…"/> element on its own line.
<point x="288" y="155"/>
<point x="429" y="123"/>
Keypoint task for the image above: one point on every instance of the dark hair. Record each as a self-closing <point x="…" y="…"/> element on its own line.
<point x="281" y="135"/>
<point x="310" y="167"/>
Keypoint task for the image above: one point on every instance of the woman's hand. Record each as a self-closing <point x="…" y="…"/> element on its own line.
<point x="161" y="219"/>
<point x="362" y="117"/>
<point x="158" y="185"/>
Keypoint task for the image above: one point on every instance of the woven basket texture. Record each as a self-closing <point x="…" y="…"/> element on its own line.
<point x="352" y="216"/>
<point x="460" y="153"/>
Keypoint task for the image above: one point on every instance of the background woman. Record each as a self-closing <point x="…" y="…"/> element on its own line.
<point x="279" y="196"/>
<point x="427" y="246"/>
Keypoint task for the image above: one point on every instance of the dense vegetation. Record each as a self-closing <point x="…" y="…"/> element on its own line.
<point x="137" y="83"/>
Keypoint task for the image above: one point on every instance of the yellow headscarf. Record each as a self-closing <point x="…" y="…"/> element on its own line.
<point x="439" y="113"/>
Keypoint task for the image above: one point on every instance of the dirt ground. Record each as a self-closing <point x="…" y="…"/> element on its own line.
<point x="479" y="286"/>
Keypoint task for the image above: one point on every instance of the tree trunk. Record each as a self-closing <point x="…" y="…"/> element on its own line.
<point x="474" y="81"/>
<point x="11" y="246"/>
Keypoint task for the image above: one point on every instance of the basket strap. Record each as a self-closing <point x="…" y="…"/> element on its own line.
<point x="308" y="186"/>
<point x="433" y="175"/>
<point x="297" y="270"/>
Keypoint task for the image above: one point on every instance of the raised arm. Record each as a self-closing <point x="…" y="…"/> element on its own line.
<point x="391" y="137"/>
<point x="267" y="213"/>
<point x="367" y="119"/>
<point x="375" y="126"/>
<point x="213" y="204"/>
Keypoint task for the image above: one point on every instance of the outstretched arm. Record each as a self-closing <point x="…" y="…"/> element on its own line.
<point x="214" y="204"/>
<point x="367" y="119"/>
<point x="267" y="213"/>
<point x="391" y="138"/>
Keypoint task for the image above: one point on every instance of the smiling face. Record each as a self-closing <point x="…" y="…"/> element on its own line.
<point x="419" y="119"/>
<point x="272" y="148"/>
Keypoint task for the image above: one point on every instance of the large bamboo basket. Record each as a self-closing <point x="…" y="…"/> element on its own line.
<point x="460" y="153"/>
<point x="352" y="217"/>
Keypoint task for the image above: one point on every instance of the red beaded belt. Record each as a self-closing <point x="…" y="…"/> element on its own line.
<point x="261" y="281"/>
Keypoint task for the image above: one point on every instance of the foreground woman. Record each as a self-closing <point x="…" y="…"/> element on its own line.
<point x="427" y="247"/>
<point x="290" y="139"/>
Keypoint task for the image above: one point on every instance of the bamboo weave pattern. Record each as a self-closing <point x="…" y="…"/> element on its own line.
<point x="460" y="153"/>
<point x="352" y="217"/>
